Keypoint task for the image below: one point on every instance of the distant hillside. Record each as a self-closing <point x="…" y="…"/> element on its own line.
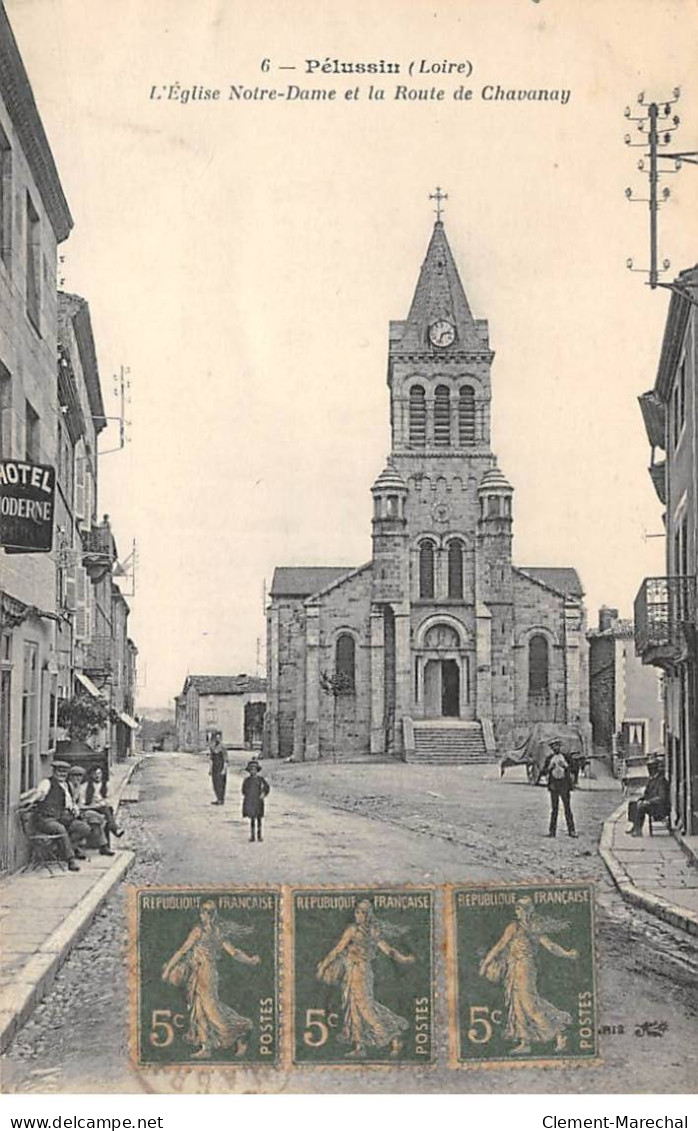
<point x="156" y="714"/>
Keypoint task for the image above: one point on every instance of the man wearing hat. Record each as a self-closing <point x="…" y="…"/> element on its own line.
<point x="56" y="813"/>
<point x="655" y="800"/>
<point x="560" y="785"/>
<point x="95" y="820"/>
<point x="254" y="789"/>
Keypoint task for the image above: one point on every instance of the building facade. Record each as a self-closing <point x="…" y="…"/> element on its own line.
<point x="666" y="608"/>
<point x="51" y="415"/>
<point x="626" y="703"/>
<point x="231" y="704"/>
<point x="439" y="643"/>
<point x="34" y="220"/>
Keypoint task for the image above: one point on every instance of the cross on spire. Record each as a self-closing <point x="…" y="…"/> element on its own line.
<point x="438" y="196"/>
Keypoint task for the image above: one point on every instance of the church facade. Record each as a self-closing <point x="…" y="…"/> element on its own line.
<point x="439" y="647"/>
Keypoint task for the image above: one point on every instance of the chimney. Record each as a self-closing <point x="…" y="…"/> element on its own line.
<point x="607" y="618"/>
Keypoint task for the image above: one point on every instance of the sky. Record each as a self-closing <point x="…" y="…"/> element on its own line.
<point x="243" y="258"/>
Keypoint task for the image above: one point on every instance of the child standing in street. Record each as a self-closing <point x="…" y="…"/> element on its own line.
<point x="254" y="789"/>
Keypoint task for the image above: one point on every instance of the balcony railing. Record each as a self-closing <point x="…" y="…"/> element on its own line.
<point x="665" y="618"/>
<point x="99" y="654"/>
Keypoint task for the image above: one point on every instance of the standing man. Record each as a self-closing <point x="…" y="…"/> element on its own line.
<point x="560" y="785"/>
<point x="56" y="813"/>
<point x="219" y="766"/>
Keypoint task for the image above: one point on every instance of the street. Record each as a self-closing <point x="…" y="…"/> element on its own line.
<point x="363" y="824"/>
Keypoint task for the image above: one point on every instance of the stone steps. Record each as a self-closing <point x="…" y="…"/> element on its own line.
<point x="449" y="744"/>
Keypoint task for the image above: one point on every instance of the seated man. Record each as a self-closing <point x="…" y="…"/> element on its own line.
<point x="56" y="814"/>
<point x="655" y="799"/>
<point x="91" y="816"/>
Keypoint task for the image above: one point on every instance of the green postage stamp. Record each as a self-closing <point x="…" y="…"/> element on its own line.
<point x="206" y="976"/>
<point x="521" y="974"/>
<point x="362" y="975"/>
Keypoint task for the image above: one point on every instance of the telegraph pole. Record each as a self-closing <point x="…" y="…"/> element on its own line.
<point x="656" y="123"/>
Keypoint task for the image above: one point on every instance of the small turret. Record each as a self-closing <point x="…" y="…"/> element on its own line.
<point x="390" y="562"/>
<point x="495" y="494"/>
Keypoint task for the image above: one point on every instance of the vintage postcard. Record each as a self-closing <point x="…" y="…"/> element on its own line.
<point x="348" y="545"/>
<point x="362" y="976"/>
<point x="205" y="976"/>
<point x="522" y="980"/>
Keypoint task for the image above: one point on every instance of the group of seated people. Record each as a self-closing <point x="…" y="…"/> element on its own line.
<point x="69" y="805"/>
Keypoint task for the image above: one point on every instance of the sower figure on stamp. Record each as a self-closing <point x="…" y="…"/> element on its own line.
<point x="57" y="814"/>
<point x="212" y="1023"/>
<point x="513" y="962"/>
<point x="560" y="785"/>
<point x="655" y="800"/>
<point x="368" y="1024"/>
<point x="254" y="789"/>
<point x="219" y="766"/>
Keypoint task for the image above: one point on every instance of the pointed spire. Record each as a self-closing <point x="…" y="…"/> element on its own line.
<point x="439" y="296"/>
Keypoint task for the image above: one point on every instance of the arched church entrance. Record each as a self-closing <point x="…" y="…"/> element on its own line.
<point x="442" y="675"/>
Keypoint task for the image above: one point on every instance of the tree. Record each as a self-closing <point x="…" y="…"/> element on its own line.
<point x="335" y="684"/>
<point x="82" y="716"/>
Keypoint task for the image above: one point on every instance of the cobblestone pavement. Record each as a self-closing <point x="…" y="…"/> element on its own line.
<point x="331" y="824"/>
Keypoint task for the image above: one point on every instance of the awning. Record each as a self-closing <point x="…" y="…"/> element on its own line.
<point x="130" y="722"/>
<point x="88" y="685"/>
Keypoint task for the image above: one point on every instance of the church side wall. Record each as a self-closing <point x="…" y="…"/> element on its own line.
<point x="347" y="608"/>
<point x="538" y="611"/>
<point x="288" y="675"/>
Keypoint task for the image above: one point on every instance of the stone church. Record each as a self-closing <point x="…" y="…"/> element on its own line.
<point x="439" y="648"/>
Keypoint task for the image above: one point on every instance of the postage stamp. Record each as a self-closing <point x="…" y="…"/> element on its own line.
<point x="521" y="974"/>
<point x="362" y="970"/>
<point x="205" y="965"/>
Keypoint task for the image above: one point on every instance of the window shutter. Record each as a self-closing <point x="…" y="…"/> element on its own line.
<point x="88" y="499"/>
<point x="80" y="481"/>
<point x="80" y="603"/>
<point x="69" y="583"/>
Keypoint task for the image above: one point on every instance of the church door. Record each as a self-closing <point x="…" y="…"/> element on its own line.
<point x="450" y="689"/>
<point x="432" y="689"/>
<point x="441" y="689"/>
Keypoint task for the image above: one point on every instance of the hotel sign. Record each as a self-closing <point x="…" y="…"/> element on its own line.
<point x="27" y="495"/>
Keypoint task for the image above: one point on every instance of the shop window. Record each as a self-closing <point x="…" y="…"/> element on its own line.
<point x="29" y="745"/>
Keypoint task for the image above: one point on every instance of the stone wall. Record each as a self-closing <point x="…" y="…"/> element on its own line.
<point x="345" y="723"/>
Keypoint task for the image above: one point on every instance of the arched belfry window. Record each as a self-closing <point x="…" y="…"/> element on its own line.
<point x="538" y="666"/>
<point x="455" y="569"/>
<point x="466" y="416"/>
<point x="442" y="416"/>
<point x="426" y="568"/>
<point x="418" y="417"/>
<point x="345" y="661"/>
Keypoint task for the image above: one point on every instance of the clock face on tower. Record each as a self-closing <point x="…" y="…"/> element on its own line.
<point x="442" y="333"/>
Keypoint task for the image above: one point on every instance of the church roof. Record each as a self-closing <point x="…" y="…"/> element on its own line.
<point x="440" y="295"/>
<point x="494" y="479"/>
<point x="561" y="579"/>
<point x="389" y="479"/>
<point x="226" y="684"/>
<point x="304" y="581"/>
